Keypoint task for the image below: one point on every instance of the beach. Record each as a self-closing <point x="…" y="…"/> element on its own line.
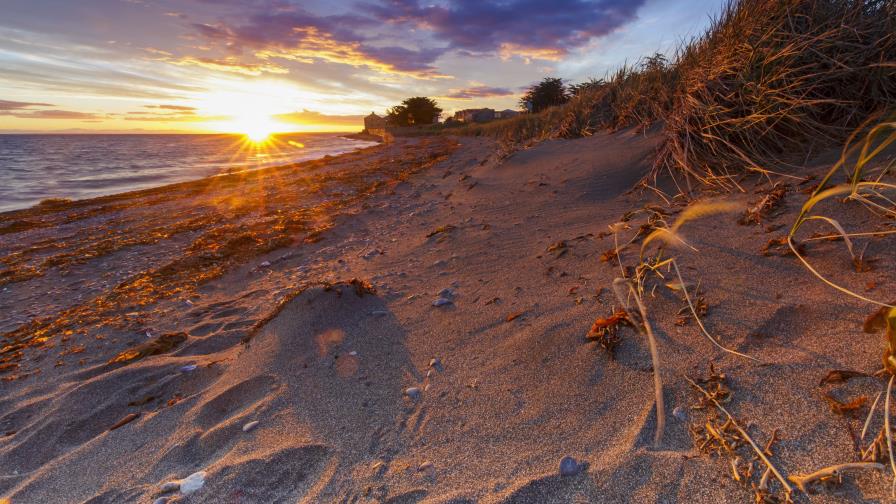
<point x="408" y="323"/>
<point x="36" y="167"/>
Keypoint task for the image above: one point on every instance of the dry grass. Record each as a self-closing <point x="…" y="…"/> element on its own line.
<point x="769" y="83"/>
<point x="871" y="194"/>
<point x="759" y="91"/>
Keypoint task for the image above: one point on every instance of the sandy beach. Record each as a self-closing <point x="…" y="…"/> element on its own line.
<point x="407" y="324"/>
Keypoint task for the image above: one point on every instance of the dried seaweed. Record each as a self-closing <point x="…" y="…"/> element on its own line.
<point x="606" y="331"/>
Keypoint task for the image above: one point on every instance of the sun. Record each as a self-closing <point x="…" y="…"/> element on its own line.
<point x="257" y="129"/>
<point x="258" y="135"/>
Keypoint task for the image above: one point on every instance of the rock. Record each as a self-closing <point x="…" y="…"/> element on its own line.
<point x="413" y="393"/>
<point x="251" y="425"/>
<point x="426" y="467"/>
<point x="569" y="466"/>
<point x="265" y="264"/>
<point x="436" y="363"/>
<point x="192" y="482"/>
<point x="446" y="293"/>
<point x="373" y="253"/>
<point x="442" y="302"/>
<point x="161" y="500"/>
<point x="379" y="313"/>
<point x="188" y="368"/>
<point x="680" y="413"/>
<point x="440" y="263"/>
<point x="171" y="486"/>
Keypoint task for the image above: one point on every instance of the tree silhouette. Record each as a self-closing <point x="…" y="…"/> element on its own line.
<point x="592" y="83"/>
<point x="547" y="93"/>
<point x="416" y="110"/>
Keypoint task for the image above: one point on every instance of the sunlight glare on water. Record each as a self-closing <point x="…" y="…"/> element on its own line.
<point x="37" y="167"/>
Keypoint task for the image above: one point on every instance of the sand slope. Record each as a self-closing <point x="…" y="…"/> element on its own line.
<point x="515" y="385"/>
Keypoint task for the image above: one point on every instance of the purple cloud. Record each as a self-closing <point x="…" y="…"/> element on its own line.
<point x="478" y="92"/>
<point x="296" y="34"/>
<point x="541" y="29"/>
<point x="534" y="27"/>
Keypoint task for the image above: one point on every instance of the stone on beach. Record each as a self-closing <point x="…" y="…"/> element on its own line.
<point x="569" y="466"/>
<point x="171" y="486"/>
<point x="251" y="425"/>
<point x="413" y="393"/>
<point x="192" y="482"/>
<point x="680" y="413"/>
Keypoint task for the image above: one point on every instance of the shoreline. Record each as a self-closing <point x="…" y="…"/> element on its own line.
<point x="55" y="204"/>
<point x="172" y="171"/>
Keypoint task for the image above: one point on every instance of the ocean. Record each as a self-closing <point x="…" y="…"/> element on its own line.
<point x="36" y="167"/>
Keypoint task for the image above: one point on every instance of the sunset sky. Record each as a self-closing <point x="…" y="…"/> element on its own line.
<point x="218" y="65"/>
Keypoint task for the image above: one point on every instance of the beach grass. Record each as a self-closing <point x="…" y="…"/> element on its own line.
<point x="753" y="93"/>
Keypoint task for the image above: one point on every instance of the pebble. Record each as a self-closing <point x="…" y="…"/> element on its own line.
<point x="413" y="393"/>
<point x="426" y="466"/>
<point x="446" y="293"/>
<point x="442" y="302"/>
<point x="265" y="264"/>
<point x="188" y="368"/>
<point x="251" y="425"/>
<point x="569" y="466"/>
<point x="373" y="253"/>
<point x="192" y="483"/>
<point x="171" y="486"/>
<point x="680" y="413"/>
<point x="161" y="500"/>
<point x="435" y="363"/>
<point x="379" y="313"/>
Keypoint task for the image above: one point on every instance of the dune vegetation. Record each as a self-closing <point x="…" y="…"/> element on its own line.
<point x="754" y="92"/>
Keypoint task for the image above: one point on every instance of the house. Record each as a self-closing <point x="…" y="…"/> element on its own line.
<point x="377" y="126"/>
<point x="374" y="122"/>
<point x="506" y="114"/>
<point x="475" y="115"/>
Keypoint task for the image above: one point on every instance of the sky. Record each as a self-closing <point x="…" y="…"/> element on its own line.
<point x="315" y="65"/>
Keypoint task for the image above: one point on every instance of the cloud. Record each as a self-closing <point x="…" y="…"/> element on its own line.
<point x="23" y="110"/>
<point x="6" y="105"/>
<point x="170" y="107"/>
<point x="133" y="116"/>
<point x="228" y="64"/>
<point x="540" y="29"/>
<point x="478" y="92"/>
<point x="298" y="35"/>
<point x="56" y="114"/>
<point x="312" y="117"/>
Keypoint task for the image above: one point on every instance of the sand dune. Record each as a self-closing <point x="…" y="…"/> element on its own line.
<point x="383" y="397"/>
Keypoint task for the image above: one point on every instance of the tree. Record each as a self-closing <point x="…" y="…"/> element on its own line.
<point x="549" y="92"/>
<point x="416" y="110"/>
<point x="592" y="83"/>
